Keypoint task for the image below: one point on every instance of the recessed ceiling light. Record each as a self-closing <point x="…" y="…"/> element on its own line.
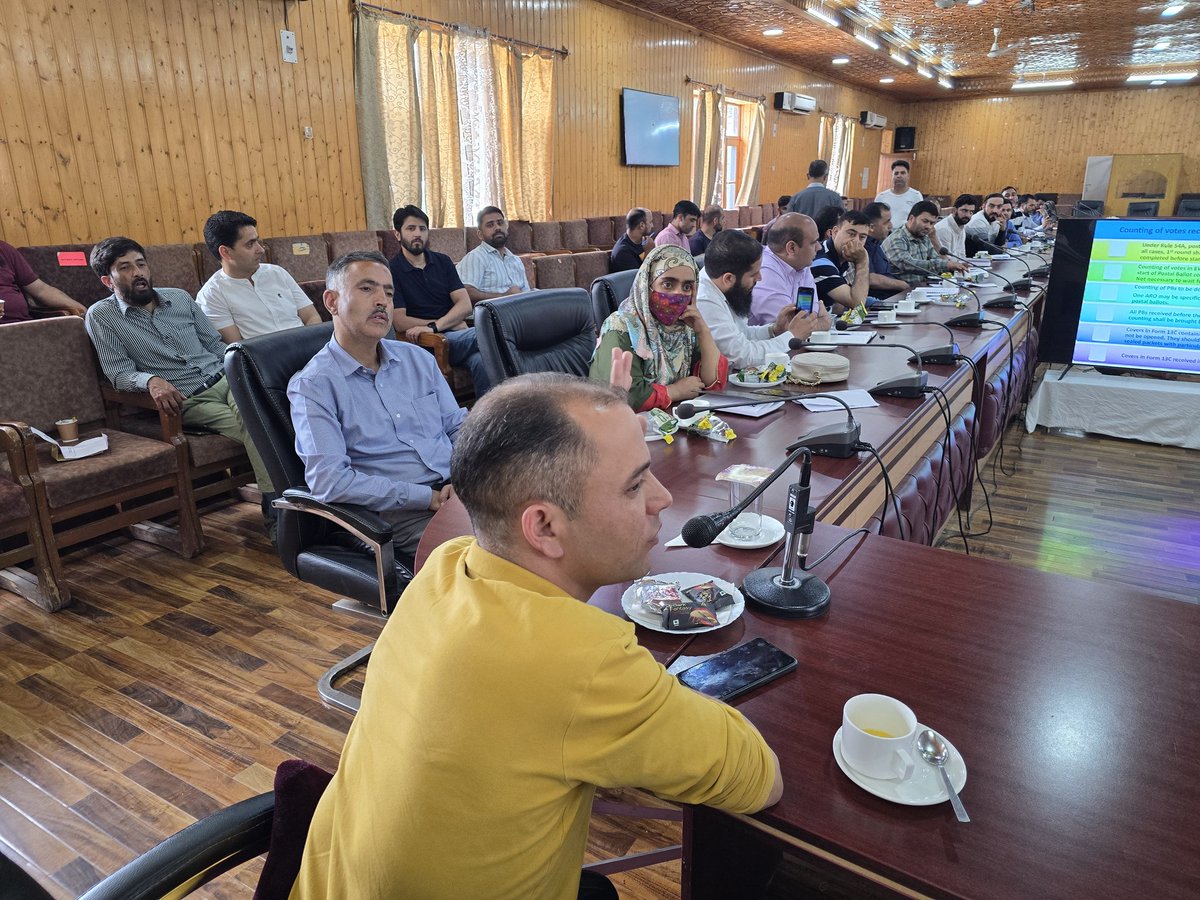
<point x="864" y="38"/>
<point x="945" y="82"/>
<point x="886" y="80"/>
<point x="820" y="13"/>
<point x="1157" y="82"/>
<point x="900" y="58"/>
<point x="1165" y="76"/>
<point x="772" y="32"/>
<point x="924" y="72"/>
<point x="1173" y="10"/>
<point x="1061" y="82"/>
<point x="974" y="2"/>
<point x="841" y="60"/>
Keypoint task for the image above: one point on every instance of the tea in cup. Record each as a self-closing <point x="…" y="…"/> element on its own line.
<point x="877" y="736"/>
<point x="68" y="430"/>
<point x="885" y="317"/>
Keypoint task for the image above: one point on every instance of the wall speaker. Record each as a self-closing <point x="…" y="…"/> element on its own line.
<point x="905" y="139"/>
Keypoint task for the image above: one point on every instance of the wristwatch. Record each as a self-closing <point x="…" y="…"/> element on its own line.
<point x="432" y="326"/>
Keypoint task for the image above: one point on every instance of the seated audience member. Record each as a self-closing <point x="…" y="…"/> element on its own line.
<point x="1025" y="215"/>
<point x="791" y="247"/>
<point x="1048" y="211"/>
<point x="1010" y="194"/>
<point x="430" y="297"/>
<point x="910" y="251"/>
<point x="883" y="282"/>
<point x="158" y="342"/>
<point x="984" y="226"/>
<point x="815" y="196"/>
<point x="683" y="222"/>
<point x="901" y="196"/>
<point x="1009" y="236"/>
<point x="19" y="284"/>
<point x="504" y="688"/>
<point x="627" y="252"/>
<point x="827" y="220"/>
<point x="711" y="222"/>
<point x="674" y="356"/>
<point x="951" y="229"/>
<point x="841" y="268"/>
<point x="732" y="266"/>
<point x="783" y="201"/>
<point x="247" y="297"/>
<point x="375" y="420"/>
<point x="490" y="270"/>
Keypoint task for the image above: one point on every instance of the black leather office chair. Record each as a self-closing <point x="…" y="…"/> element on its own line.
<point x="609" y="292"/>
<point x="339" y="547"/>
<point x="1188" y="208"/>
<point x="1144" y="208"/>
<point x="539" y="331"/>
<point x="1088" y="209"/>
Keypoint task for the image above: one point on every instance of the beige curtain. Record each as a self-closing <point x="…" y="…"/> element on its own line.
<point x="824" y="136"/>
<point x="527" y="104"/>
<point x="388" y="127"/>
<point x="708" y="143"/>
<point x="839" y="155"/>
<point x="479" y="137"/>
<point x="438" y="114"/>
<point x="747" y="194"/>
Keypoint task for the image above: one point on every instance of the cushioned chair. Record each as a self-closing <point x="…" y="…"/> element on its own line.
<point x="51" y="374"/>
<point x="575" y="236"/>
<point x="589" y="266"/>
<point x="473" y="238"/>
<point x="555" y="271"/>
<point x="618" y="227"/>
<point x="1143" y="208"/>
<point x="23" y="537"/>
<point x="547" y="237"/>
<point x="339" y="243"/>
<point x="174" y="265"/>
<point x="206" y="262"/>
<point x="608" y="292"/>
<point x="340" y="547"/>
<point x="541" y="331"/>
<point x="304" y="256"/>
<point x="451" y="241"/>
<point x="600" y="232"/>
<point x="65" y="267"/>
<point x="520" y="236"/>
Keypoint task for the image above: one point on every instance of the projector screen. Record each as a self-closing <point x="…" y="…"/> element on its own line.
<point x="1125" y="293"/>
<point x="650" y="128"/>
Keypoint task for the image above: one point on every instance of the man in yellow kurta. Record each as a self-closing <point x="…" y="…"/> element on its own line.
<point x="497" y="699"/>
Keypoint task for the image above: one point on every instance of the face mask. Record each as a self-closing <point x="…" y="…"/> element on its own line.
<point x="667" y="308"/>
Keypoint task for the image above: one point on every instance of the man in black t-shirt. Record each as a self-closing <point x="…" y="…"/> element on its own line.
<point x="430" y="297"/>
<point x="627" y="252"/>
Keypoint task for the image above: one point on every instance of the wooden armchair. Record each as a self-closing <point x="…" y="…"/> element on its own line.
<point x="457" y="377"/>
<point x="50" y="375"/>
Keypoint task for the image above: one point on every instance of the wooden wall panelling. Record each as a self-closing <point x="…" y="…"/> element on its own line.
<point x="1042" y="142"/>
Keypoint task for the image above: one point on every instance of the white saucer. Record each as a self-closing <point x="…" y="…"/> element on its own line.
<point x="925" y="788"/>
<point x="908" y="312"/>
<point x="884" y="324"/>
<point x="684" y="580"/>
<point x="771" y="533"/>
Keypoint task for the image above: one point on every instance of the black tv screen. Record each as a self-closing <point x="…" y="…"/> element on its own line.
<point x="649" y="128"/>
<point x="1124" y="293"/>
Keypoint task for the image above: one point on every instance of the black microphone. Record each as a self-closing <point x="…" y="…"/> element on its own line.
<point x="910" y="385"/>
<point x="702" y="530"/>
<point x="999" y="302"/>
<point x="945" y="355"/>
<point x="778" y="592"/>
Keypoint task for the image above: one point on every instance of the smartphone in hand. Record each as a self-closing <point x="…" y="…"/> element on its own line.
<point x="806" y="300"/>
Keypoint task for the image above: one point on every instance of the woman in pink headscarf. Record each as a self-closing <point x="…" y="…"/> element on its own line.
<point x="674" y="355"/>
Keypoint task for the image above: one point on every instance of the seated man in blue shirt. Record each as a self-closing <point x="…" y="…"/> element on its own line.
<point x="883" y="283"/>
<point x="429" y="295"/>
<point x="375" y="420"/>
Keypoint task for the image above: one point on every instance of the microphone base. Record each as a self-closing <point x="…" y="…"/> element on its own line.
<point x="1022" y="284"/>
<point x="1039" y="272"/>
<point x="938" y="356"/>
<point x="833" y="440"/>
<point x="910" y="387"/>
<point x="970" y="320"/>
<point x="805" y="600"/>
<point x="1001" y="303"/>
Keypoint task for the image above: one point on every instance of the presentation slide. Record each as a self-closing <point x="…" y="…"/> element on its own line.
<point x="1141" y="301"/>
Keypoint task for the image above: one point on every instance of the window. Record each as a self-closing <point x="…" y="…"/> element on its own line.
<point x="736" y="140"/>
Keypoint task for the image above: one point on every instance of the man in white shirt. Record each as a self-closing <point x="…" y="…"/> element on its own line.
<point x="901" y="197"/>
<point x="984" y="226"/>
<point x="490" y="271"/>
<point x="732" y="267"/>
<point x="248" y="297"/>
<point x="951" y="229"/>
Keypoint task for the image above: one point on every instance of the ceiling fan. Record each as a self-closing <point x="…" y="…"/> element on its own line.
<point x="997" y="51"/>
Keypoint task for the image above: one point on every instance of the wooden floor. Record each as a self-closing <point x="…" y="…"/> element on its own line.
<point x="173" y="688"/>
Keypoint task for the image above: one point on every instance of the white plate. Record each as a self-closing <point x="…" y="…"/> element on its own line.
<point x="755" y="385"/>
<point x="684" y="580"/>
<point x="772" y="532"/>
<point x="924" y="788"/>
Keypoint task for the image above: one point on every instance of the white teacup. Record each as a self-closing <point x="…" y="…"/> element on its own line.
<point x="821" y="337"/>
<point x="906" y="305"/>
<point x="885" y="317"/>
<point x="877" y="736"/>
<point x="918" y="295"/>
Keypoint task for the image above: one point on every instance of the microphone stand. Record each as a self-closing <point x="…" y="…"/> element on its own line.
<point x="910" y="385"/>
<point x="967" y="320"/>
<point x="946" y="355"/>
<point x="778" y="592"/>
<point x="999" y="302"/>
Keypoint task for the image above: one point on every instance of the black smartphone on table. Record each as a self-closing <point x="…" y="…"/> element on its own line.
<point x="740" y="669"/>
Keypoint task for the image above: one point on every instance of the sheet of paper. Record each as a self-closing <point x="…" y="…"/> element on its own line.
<point x="858" y="399"/>
<point x="846" y="337"/>
<point x="754" y="410"/>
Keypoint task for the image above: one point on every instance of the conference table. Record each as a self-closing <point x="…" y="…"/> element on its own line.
<point x="1074" y="704"/>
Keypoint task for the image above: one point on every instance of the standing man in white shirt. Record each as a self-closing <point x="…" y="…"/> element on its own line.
<point x="248" y="297"/>
<point x="491" y="271"/>
<point x="950" y="229"/>
<point x="901" y="197"/>
<point x="732" y="267"/>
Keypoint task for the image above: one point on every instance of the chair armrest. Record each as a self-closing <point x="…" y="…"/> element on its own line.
<point x="19" y="444"/>
<point x="42" y="312"/>
<point x="435" y="344"/>
<point x="364" y="524"/>
<point x="196" y="855"/>
<point x="170" y="423"/>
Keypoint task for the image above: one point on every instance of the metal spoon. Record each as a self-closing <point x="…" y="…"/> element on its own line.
<point x="934" y="751"/>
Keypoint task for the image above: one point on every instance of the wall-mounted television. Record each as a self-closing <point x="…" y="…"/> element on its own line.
<point x="1124" y="293"/>
<point x="649" y="129"/>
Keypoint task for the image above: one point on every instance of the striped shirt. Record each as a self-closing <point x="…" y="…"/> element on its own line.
<point x="175" y="342"/>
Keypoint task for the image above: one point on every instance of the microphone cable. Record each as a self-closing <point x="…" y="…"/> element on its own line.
<point x="889" y="492"/>
<point x="1006" y="406"/>
<point x="948" y="459"/>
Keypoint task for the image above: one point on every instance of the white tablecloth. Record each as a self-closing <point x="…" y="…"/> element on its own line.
<point x="1143" y="409"/>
